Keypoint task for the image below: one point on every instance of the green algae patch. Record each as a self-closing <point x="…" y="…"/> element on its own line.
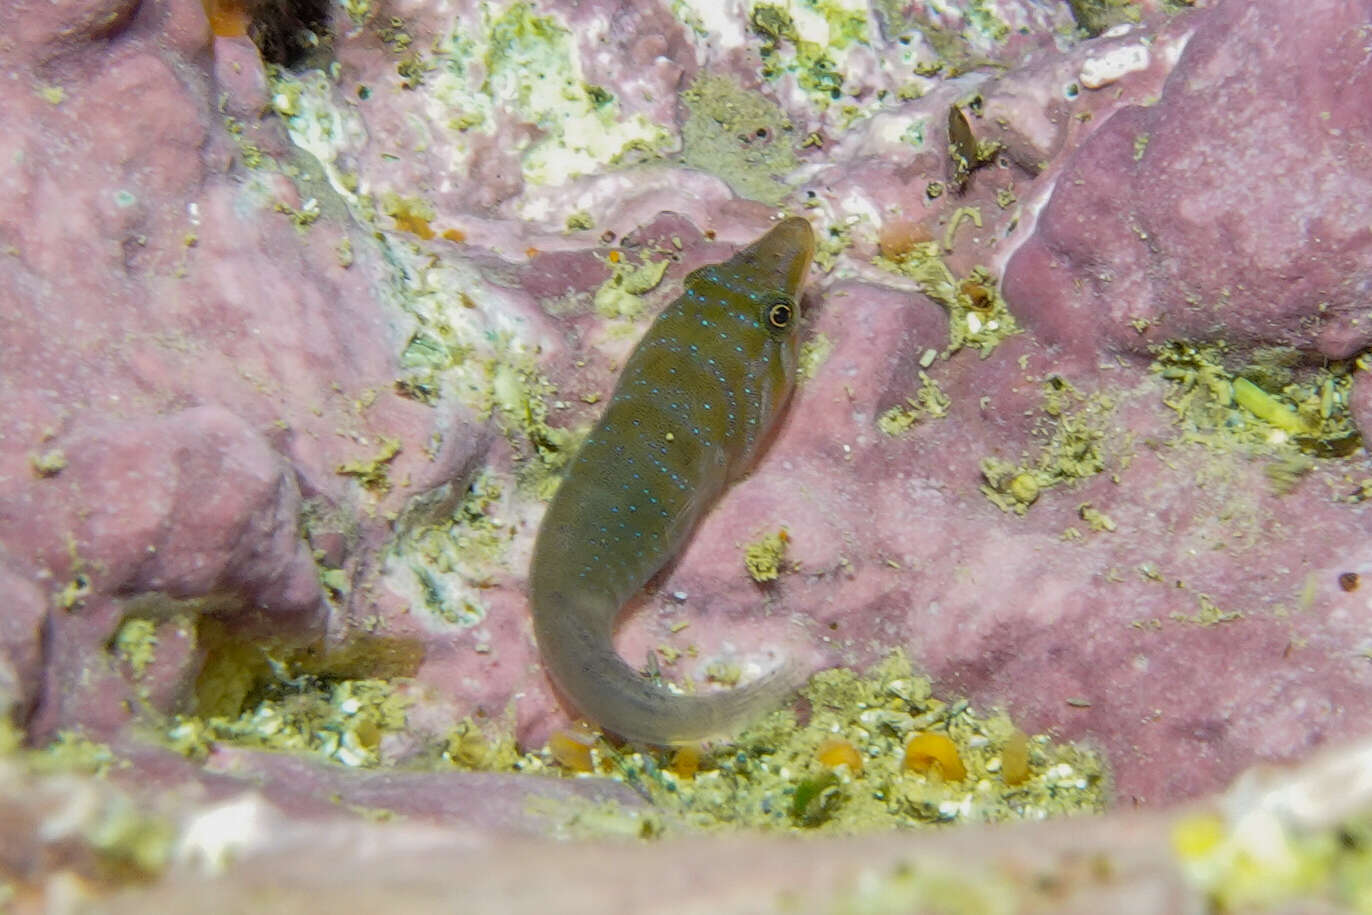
<point x="1260" y="861"/>
<point x="929" y="402"/>
<point x="74" y="752"/>
<point x="780" y="775"/>
<point x="340" y="721"/>
<point x="455" y="557"/>
<point x="48" y="463"/>
<point x="136" y="644"/>
<point x="264" y="694"/>
<point x="469" y="745"/>
<point x="621" y="295"/>
<point x="581" y="125"/>
<point x="494" y="375"/>
<point x="813" y="40"/>
<point x="130" y="844"/>
<point x="1096" y="16"/>
<point x="925" y="886"/>
<point x="813" y="354"/>
<point x="977" y="314"/>
<point x="1271" y="402"/>
<point x="580" y="221"/>
<point x="105" y="836"/>
<point x="763" y="558"/>
<point x="373" y="473"/>
<point x="742" y="137"/>
<point x="830" y="245"/>
<point x="846" y="770"/>
<point x="1074" y="426"/>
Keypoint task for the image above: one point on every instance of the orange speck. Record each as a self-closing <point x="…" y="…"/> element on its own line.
<point x="897" y="237"/>
<point x="1014" y="759"/>
<point x="686" y="762"/>
<point x="228" y="18"/>
<point x="456" y="236"/>
<point x="531" y="253"/>
<point x="571" y="747"/>
<point x="928" y="752"/>
<point x="835" y="752"/>
<point x="415" y="225"/>
<point x="614" y="256"/>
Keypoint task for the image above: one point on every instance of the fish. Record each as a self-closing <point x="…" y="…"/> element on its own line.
<point x="692" y="408"/>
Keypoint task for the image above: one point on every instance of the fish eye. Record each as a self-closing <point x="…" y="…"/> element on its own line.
<point x="779" y="314"/>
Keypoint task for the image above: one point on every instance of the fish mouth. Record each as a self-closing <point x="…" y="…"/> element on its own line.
<point x="784" y="254"/>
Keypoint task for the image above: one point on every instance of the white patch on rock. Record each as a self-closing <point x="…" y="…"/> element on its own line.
<point x="216" y="836"/>
<point x="1113" y="65"/>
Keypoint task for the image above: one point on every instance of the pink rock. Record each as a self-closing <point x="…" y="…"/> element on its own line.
<point x="1235" y="208"/>
<point x="185" y="335"/>
<point x="188" y="362"/>
<point x="490" y="801"/>
<point x="47" y="28"/>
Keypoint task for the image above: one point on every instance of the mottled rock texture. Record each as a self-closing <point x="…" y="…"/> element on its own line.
<point x="211" y="283"/>
<point x="184" y="369"/>
<point x="1237" y="207"/>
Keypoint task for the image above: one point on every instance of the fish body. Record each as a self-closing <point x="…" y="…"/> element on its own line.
<point x="693" y="405"/>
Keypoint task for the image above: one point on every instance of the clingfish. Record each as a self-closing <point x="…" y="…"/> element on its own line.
<point x="695" y="402"/>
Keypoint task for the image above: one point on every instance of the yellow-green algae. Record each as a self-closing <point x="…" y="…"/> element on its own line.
<point x="621" y="295"/>
<point x="71" y="751"/>
<point x="1074" y="425"/>
<point x="754" y="782"/>
<point x="1096" y="16"/>
<point x="818" y="32"/>
<point x="338" y="706"/>
<point x="763" y="557"/>
<point x="267" y="694"/>
<point x="477" y="73"/>
<point x="1249" y="865"/>
<point x="818" y="41"/>
<point x="373" y="473"/>
<point x="340" y="721"/>
<point x="581" y="123"/>
<point x="454" y="557"/>
<point x="48" y="463"/>
<point x="814" y="352"/>
<point x="929" y="402"/>
<point x="1272" y="403"/>
<point x="136" y="644"/>
<point x="977" y="313"/>
<point x="250" y="695"/>
<point x="127" y="842"/>
<point x="741" y="136"/>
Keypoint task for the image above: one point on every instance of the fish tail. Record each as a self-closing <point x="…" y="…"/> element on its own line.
<point x="614" y="695"/>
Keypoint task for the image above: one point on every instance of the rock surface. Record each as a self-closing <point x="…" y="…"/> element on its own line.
<point x="293" y="361"/>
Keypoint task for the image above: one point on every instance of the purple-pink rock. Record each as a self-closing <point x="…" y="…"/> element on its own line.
<point x="1237" y="208"/>
<point x="182" y="367"/>
<point x="200" y="357"/>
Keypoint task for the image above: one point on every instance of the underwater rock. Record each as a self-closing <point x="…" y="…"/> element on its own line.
<point x="190" y="378"/>
<point x="1236" y="208"/>
<point x="326" y="349"/>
